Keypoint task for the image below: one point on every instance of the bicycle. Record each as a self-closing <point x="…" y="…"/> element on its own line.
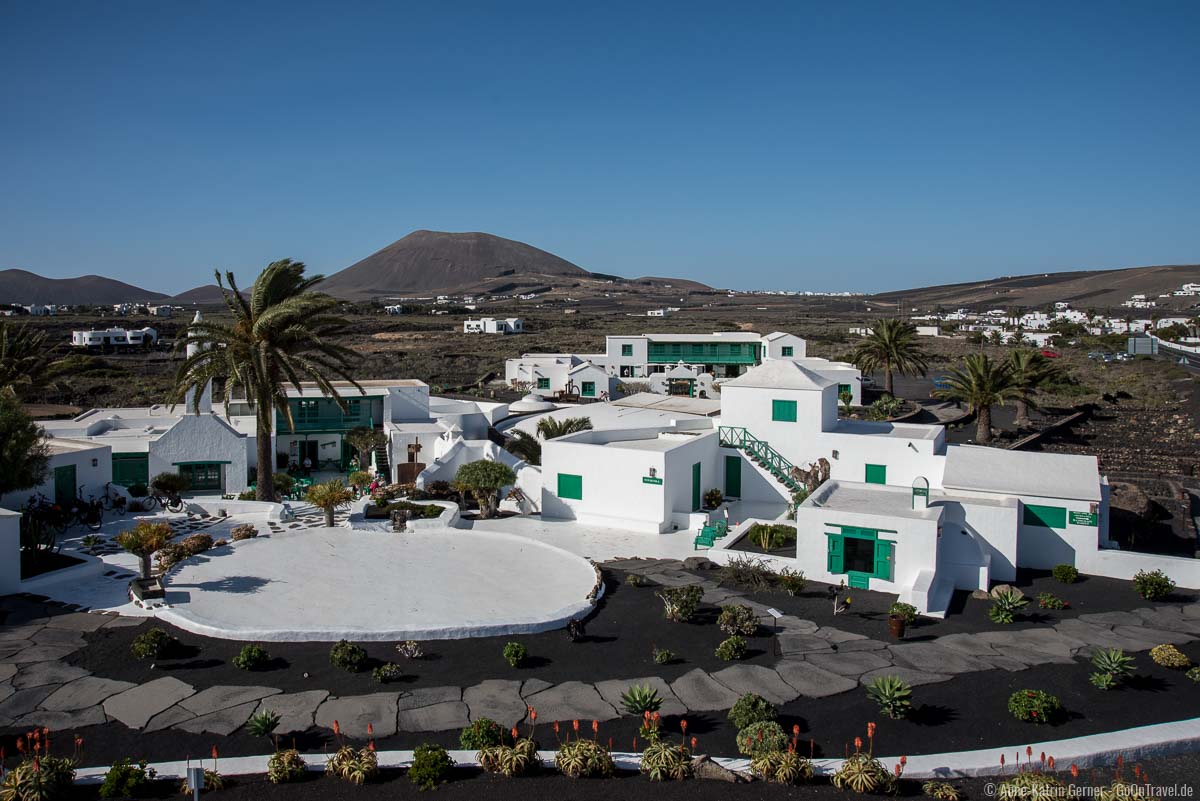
<point x="169" y="501"/>
<point x="89" y="513"/>
<point x="113" y="500"/>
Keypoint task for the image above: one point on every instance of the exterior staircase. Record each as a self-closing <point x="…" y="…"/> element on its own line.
<point x="760" y="453"/>
<point x="381" y="461"/>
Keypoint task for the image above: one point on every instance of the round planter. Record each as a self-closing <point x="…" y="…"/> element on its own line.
<point x="896" y="626"/>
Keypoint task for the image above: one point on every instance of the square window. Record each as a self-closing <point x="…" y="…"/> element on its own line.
<point x="787" y="350"/>
<point x="783" y="411"/>
<point x="876" y="474"/>
<point x="570" y="486"/>
<point x="627" y="350"/>
<point x="589" y="389"/>
<point x="543" y="383"/>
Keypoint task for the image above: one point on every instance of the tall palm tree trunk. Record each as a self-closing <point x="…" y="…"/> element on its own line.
<point x="328" y="517"/>
<point x="887" y="378"/>
<point x="983" y="425"/>
<point x="266" y="450"/>
<point x="1022" y="419"/>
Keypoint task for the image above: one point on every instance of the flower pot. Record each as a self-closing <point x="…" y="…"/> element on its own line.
<point x="147" y="589"/>
<point x="896" y="626"/>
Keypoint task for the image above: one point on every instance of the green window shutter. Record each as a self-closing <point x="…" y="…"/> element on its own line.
<point x="837" y="552"/>
<point x="696" y="490"/>
<point x="842" y="388"/>
<point x="570" y="486"/>
<point x="130" y="468"/>
<point x="787" y="350"/>
<point x="627" y="350"/>
<point x="1045" y="516"/>
<point x="543" y="383"/>
<point x="783" y="411"/>
<point x="589" y="389"/>
<point x="884" y="554"/>
<point x="876" y="474"/>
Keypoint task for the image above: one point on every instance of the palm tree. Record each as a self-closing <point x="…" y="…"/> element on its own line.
<point x="364" y="440"/>
<point x="280" y="334"/>
<point x="526" y="446"/>
<point x="981" y="384"/>
<point x="550" y="428"/>
<point x="892" y="345"/>
<point x="23" y="358"/>
<point x="328" y="496"/>
<point x="1028" y="371"/>
<point x="143" y="540"/>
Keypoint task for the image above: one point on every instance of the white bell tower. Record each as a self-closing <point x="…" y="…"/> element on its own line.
<point x="206" y="396"/>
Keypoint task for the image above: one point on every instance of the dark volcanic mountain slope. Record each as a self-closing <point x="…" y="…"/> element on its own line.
<point x="22" y="286"/>
<point x="433" y="261"/>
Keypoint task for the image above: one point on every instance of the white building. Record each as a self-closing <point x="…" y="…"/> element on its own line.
<point x="493" y="325"/>
<point x="77" y="468"/>
<point x="114" y="338"/>
<point x="161" y="311"/>
<point x="693" y="365"/>
<point x="900" y="510"/>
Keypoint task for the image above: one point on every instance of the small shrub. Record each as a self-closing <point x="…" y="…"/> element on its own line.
<point x="510" y="760"/>
<point x="782" y="767"/>
<point x="664" y="761"/>
<point x="46" y="778"/>
<point x="750" y="709"/>
<point x="347" y="656"/>
<point x="906" y="611"/>
<point x="1030" y="787"/>
<point x="713" y="498"/>
<point x="286" y="766"/>
<point x="387" y="672"/>
<point x="354" y="765"/>
<point x="1153" y="585"/>
<point x="243" y="532"/>
<point x="863" y="773"/>
<point x="749" y="573"/>
<point x="737" y="619"/>
<point x="640" y="699"/>
<point x="263" y="724"/>
<point x="791" y="581"/>
<point x="482" y="733"/>
<point x="1193" y="674"/>
<point x="169" y="555"/>
<point x="1034" y="706"/>
<point x="634" y="580"/>
<point x="680" y="603"/>
<point x="410" y="649"/>
<point x="252" y="657"/>
<point x="1065" y="574"/>
<point x="431" y="766"/>
<point x="123" y="780"/>
<point x="942" y="791"/>
<point x="731" y="649"/>
<point x="762" y="737"/>
<point x="1169" y="656"/>
<point x="515" y="654"/>
<point x="1112" y="667"/>
<point x="152" y="644"/>
<point x="248" y="495"/>
<point x="893" y="695"/>
<point x="771" y="536"/>
<point x="663" y="656"/>
<point x="1006" y="605"/>
<point x="197" y="544"/>
<point x="212" y="781"/>
<point x="584" y="758"/>
<point x="1048" y="600"/>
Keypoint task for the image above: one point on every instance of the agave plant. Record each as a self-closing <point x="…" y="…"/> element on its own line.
<point x="263" y="724"/>
<point x="1006" y="605"/>
<point x="640" y="699"/>
<point x="782" y="767"/>
<point x="942" y="791"/>
<point x="355" y="765"/>
<point x="892" y="694"/>
<point x="580" y="758"/>
<point x="44" y="779"/>
<point x="510" y="760"/>
<point x="1112" y="666"/>
<point x="863" y="773"/>
<point x="1030" y="787"/>
<point x="664" y="761"/>
<point x="286" y="766"/>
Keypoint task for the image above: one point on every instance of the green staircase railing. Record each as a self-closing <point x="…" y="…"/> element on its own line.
<point x="761" y="453"/>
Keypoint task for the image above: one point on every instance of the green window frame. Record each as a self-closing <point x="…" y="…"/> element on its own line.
<point x="882" y="553"/>
<point x="588" y="389"/>
<point x="783" y="411"/>
<point x="1044" y="516"/>
<point x="735" y="349"/>
<point x="788" y="350"/>
<point x="130" y="468"/>
<point x="876" y="474"/>
<point x="543" y="383"/>
<point x="627" y="350"/>
<point x="307" y="411"/>
<point x="570" y="486"/>
<point x="844" y="388"/>
<point x="202" y="476"/>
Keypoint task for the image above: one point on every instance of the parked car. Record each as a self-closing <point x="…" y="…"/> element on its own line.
<point x="1049" y="354"/>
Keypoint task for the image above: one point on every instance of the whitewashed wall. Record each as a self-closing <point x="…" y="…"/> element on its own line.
<point x="93" y="479"/>
<point x="202" y="438"/>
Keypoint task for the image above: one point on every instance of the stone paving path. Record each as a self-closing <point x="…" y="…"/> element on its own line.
<point x="38" y="689"/>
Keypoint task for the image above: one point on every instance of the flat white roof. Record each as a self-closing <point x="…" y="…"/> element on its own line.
<point x="1044" y="475"/>
<point x="605" y="416"/>
<point x="671" y="403"/>
<point x="871" y="428"/>
<point x="871" y="499"/>
<point x="660" y="444"/>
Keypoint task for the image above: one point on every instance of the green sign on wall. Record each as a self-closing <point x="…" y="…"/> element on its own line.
<point x="1084" y="519"/>
<point x="651" y="480"/>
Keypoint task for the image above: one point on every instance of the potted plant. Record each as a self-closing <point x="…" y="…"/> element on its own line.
<point x="142" y="541"/>
<point x="900" y="615"/>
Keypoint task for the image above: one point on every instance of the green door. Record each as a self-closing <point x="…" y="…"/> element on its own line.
<point x="696" y="492"/>
<point x="837" y="550"/>
<point x="129" y="469"/>
<point x="884" y="553"/>
<point x="733" y="476"/>
<point x="64" y="484"/>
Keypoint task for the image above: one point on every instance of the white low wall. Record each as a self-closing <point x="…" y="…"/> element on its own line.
<point x="10" y="552"/>
<point x="447" y="519"/>
<point x="215" y="505"/>
<point x="1112" y="563"/>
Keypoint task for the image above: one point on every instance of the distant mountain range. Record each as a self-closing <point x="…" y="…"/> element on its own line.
<point x="1081" y="288"/>
<point x="22" y="286"/>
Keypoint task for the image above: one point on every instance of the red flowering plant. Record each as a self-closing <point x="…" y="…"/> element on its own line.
<point x="37" y="765"/>
<point x="355" y="765"/>
<point x="520" y="754"/>
<point x="1034" y="706"/>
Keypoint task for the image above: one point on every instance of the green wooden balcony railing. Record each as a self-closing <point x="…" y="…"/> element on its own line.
<point x="761" y="453"/>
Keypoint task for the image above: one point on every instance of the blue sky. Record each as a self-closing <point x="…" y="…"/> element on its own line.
<point x="862" y="146"/>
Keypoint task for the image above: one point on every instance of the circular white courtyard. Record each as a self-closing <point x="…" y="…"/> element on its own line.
<point x="331" y="584"/>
